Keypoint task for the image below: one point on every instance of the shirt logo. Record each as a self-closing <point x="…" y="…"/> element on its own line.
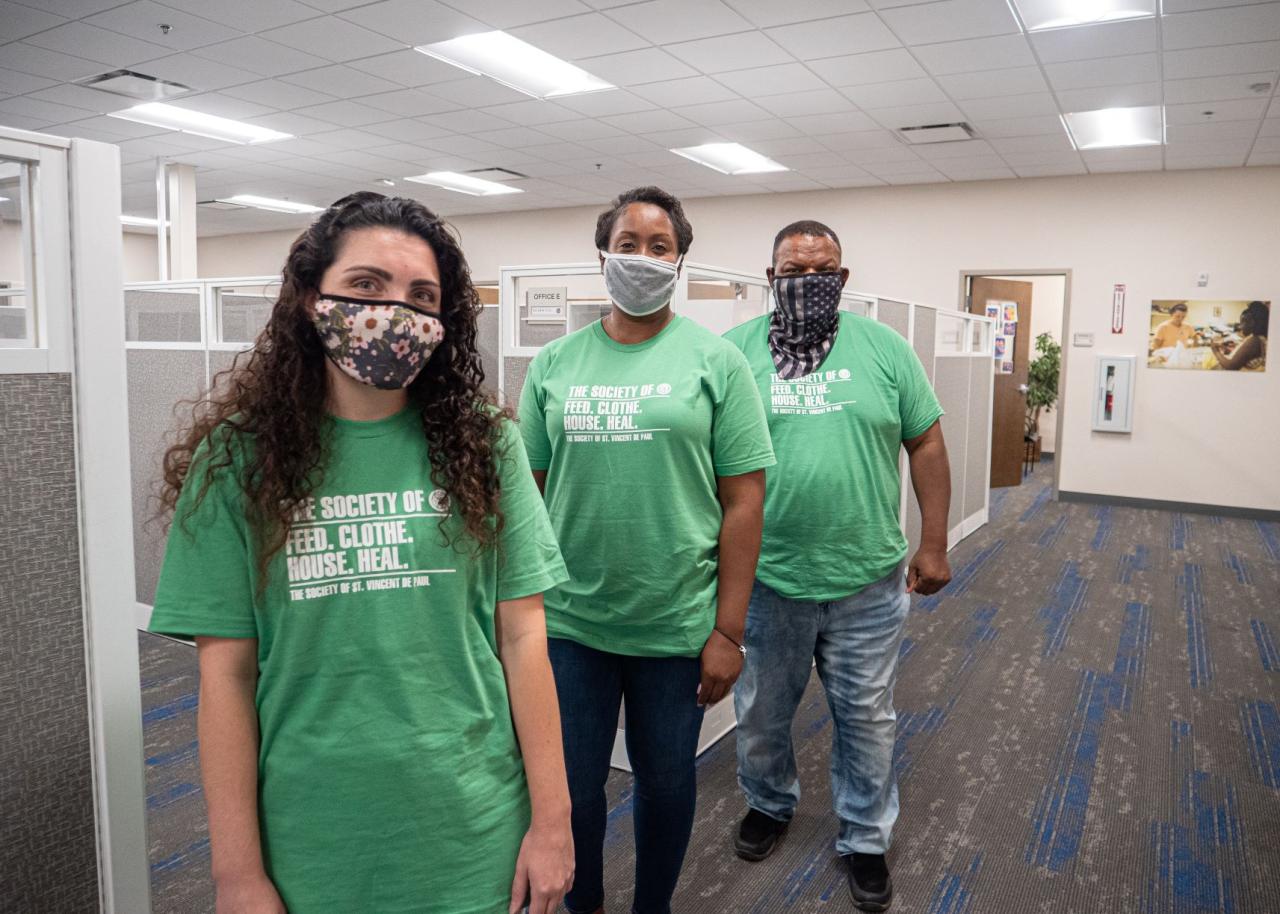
<point x="439" y="501"/>
<point x="611" y="413"/>
<point x="811" y="395"/>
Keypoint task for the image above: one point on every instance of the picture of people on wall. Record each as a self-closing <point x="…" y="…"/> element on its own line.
<point x="1205" y="335"/>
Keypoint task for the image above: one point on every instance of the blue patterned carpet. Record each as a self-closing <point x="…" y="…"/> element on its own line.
<point x="1088" y="722"/>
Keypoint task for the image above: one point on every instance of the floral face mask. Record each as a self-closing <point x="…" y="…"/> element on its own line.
<point x="385" y="344"/>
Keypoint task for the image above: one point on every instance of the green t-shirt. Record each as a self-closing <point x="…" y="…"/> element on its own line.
<point x="831" y="523"/>
<point x="632" y="438"/>
<point x="388" y="773"/>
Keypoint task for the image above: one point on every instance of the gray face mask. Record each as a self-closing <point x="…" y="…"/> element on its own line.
<point x="639" y="285"/>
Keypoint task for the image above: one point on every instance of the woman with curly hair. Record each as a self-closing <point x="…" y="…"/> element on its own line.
<point x="359" y="551"/>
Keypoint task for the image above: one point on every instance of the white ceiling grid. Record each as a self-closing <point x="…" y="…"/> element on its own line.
<point x="818" y="85"/>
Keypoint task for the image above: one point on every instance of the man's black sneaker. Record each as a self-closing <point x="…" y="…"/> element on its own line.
<point x="869" y="882"/>
<point x="758" y="835"/>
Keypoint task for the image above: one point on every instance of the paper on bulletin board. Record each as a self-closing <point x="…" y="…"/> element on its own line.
<point x="1011" y="328"/>
<point x="993" y="309"/>
<point x="1011" y="311"/>
<point x="1004" y="347"/>
<point x="1006" y="367"/>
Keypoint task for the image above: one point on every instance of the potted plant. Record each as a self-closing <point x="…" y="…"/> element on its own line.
<point x="1042" y="384"/>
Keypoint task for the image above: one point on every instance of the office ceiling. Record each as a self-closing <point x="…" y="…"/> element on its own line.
<point x="818" y="85"/>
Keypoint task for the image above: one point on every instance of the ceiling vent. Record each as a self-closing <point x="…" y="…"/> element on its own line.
<point x="134" y="85"/>
<point x="935" y="133"/>
<point x="495" y="174"/>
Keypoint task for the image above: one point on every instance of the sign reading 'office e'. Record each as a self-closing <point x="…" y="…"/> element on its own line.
<point x="546" y="304"/>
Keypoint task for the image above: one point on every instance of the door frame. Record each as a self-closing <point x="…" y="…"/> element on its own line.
<point x="1065" y="273"/>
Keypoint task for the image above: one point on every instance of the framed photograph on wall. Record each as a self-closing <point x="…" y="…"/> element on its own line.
<point x="1205" y="335"/>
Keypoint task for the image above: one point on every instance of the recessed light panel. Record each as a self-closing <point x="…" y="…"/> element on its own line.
<point x="171" y="117"/>
<point x="464" y="184"/>
<point x="730" y="158"/>
<point x="1109" y="128"/>
<point x="515" y="63"/>
<point x="1038" y="15"/>
<point x="267" y="203"/>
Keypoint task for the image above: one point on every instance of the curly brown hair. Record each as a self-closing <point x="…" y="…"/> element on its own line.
<point x="269" y="407"/>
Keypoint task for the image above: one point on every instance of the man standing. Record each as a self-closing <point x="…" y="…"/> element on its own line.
<point x="1173" y="331"/>
<point x="843" y="394"/>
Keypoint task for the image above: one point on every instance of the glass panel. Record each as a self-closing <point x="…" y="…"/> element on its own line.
<point x="162" y="315"/>
<point x="855" y="305"/>
<point x="722" y="304"/>
<point x="979" y="338"/>
<point x="243" y="311"/>
<point x="16" y="326"/>
<point x="950" y="330"/>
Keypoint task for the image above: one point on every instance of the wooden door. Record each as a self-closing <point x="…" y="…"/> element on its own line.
<point x="1008" y="425"/>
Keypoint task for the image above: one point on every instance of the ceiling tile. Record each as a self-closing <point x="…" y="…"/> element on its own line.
<point x="872" y="67"/>
<point x="1211" y="88"/>
<point x="975" y="170"/>
<point x="200" y="73"/>
<point x="950" y="20"/>
<point x="822" y="124"/>
<point x="410" y="130"/>
<point x="1107" y="71"/>
<point x="416" y="22"/>
<point x="730" y="52"/>
<point x="33" y="108"/>
<point x="718" y="113"/>
<point x="1017" y="126"/>
<point x="1112" y="39"/>
<point x="918" y="177"/>
<point x="835" y="37"/>
<point x="799" y="104"/>
<point x="994" y="83"/>
<point x="692" y="90"/>
<point x="917" y="115"/>
<point x="634" y="68"/>
<point x="791" y="77"/>
<point x="599" y="104"/>
<point x="849" y="143"/>
<point x="476" y="92"/>
<point x="407" y="68"/>
<point x="1049" y="171"/>
<point x="1143" y="158"/>
<point x="466" y="121"/>
<point x="648" y="121"/>
<point x="766" y="13"/>
<point x="142" y="19"/>
<point x="80" y="97"/>
<point x="750" y="131"/>
<point x="841" y="172"/>
<point x="1053" y="142"/>
<point x="73" y="9"/>
<point x="331" y="38"/>
<point x="261" y="57"/>
<point x="345" y="113"/>
<point x="1267" y="144"/>
<point x="14" y="83"/>
<point x="408" y="103"/>
<point x="972" y="150"/>
<point x="1030" y="105"/>
<point x="905" y="164"/>
<point x="341" y="81"/>
<point x="1222" y="61"/>
<point x="1264" y="158"/>
<point x="533" y="112"/>
<point x="1042" y="157"/>
<point x="1227" y="160"/>
<point x="588" y="129"/>
<point x="691" y="136"/>
<point x="663" y="21"/>
<point x="505" y="14"/>
<point x="221" y="105"/>
<point x="580" y="36"/>
<point x="1234" y="25"/>
<point x="625" y="145"/>
<point x="278" y="94"/>
<point x="21" y="21"/>
<point x="896" y="94"/>
<point x="1128" y="96"/>
<point x="1002" y="52"/>
<point x="1239" y="109"/>
<point x="1178" y="134"/>
<point x="245" y="15"/>
<point x="81" y="40"/>
<point x="27" y="58"/>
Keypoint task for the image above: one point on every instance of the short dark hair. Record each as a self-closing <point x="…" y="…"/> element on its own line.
<point x="804" y="227"/>
<point x="659" y="198"/>
<point x="1258" y="314"/>
<point x="1180" y="306"/>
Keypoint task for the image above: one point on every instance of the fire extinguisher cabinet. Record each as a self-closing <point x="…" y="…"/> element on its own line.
<point x="1113" y="394"/>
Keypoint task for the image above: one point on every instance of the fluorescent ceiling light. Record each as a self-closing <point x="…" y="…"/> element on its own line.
<point x="515" y="63"/>
<point x="171" y="117"/>
<point x="1038" y="15"/>
<point x="730" y="158"/>
<point x="464" y="184"/>
<point x="141" y="221"/>
<point x="274" y="206"/>
<point x="1114" y="127"/>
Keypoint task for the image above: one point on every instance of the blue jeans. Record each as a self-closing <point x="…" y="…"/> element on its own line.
<point x="662" y="726"/>
<point x="855" y="642"/>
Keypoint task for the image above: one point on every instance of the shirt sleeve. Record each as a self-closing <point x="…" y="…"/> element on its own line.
<point x="205" y="581"/>
<point x="740" y="440"/>
<point x="533" y="419"/>
<point x="529" y="560"/>
<point x="918" y="406"/>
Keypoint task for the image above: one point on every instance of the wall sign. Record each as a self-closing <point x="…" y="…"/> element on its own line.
<point x="547" y="304"/>
<point x="1117" y="309"/>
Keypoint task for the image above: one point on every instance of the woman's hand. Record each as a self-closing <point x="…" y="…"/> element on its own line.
<point x="544" y="869"/>
<point x="721" y="667"/>
<point x="249" y="895"/>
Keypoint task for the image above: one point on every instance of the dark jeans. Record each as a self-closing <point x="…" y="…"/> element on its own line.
<point x="662" y="725"/>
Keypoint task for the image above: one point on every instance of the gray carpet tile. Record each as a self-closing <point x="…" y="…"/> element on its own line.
<point x="1087" y="722"/>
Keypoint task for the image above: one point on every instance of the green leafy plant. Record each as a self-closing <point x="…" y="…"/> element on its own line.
<point x="1042" y="380"/>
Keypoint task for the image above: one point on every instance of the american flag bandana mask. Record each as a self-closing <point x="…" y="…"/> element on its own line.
<point x="802" y="328"/>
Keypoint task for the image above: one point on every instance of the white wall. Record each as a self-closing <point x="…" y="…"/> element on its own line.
<point x="1047" y="294"/>
<point x="141" y="263"/>
<point x="1151" y="231"/>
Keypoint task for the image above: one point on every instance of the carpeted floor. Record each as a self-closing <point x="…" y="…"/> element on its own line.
<point x="1088" y="722"/>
